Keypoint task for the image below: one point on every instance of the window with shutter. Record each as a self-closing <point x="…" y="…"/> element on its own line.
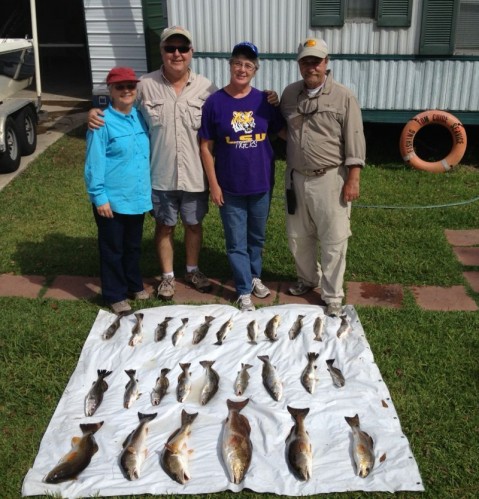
<point x="438" y="27"/>
<point x="393" y="13"/>
<point x="467" y="31"/>
<point x="327" y="13"/>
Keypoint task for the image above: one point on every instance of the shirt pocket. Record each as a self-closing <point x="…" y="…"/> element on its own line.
<point x="155" y="112"/>
<point x="192" y="115"/>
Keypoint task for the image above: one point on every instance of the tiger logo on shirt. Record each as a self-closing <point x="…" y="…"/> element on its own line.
<point x="243" y="121"/>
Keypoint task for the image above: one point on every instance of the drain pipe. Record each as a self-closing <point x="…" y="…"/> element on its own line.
<point x="36" y="54"/>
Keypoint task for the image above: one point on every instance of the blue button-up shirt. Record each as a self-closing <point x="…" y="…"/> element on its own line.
<point x="117" y="165"/>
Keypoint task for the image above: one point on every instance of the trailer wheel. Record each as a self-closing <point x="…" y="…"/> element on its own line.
<point x="10" y="159"/>
<point x="26" y="124"/>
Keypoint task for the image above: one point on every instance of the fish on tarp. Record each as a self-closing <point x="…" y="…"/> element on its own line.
<point x="95" y="396"/>
<point x="308" y="376"/>
<point x="137" y="331"/>
<point x="344" y="327"/>
<point x="183" y="387"/>
<point x="271" y="329"/>
<point x="134" y="449"/>
<point x="180" y="332"/>
<point x="174" y="458"/>
<point x="363" y="448"/>
<point x="271" y="380"/>
<point x="318" y="328"/>
<point x="296" y="327"/>
<point x="161" y="387"/>
<point x="252" y="330"/>
<point x="336" y="374"/>
<point x="211" y="384"/>
<point x="160" y="331"/>
<point x="132" y="389"/>
<point x="73" y="463"/>
<point x="112" y="328"/>
<point x="200" y="332"/>
<point x="299" y="450"/>
<point x="223" y="331"/>
<point x="242" y="379"/>
<point x="236" y="448"/>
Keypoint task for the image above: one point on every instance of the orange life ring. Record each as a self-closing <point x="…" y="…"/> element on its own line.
<point x="433" y="117"/>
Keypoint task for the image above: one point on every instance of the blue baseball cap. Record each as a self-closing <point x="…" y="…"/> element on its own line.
<point x="245" y="48"/>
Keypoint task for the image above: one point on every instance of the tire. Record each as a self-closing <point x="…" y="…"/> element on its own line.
<point x="10" y="159"/>
<point x="26" y="123"/>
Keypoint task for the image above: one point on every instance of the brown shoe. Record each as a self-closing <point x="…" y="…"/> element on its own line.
<point x="166" y="288"/>
<point x="199" y="281"/>
<point x="141" y="295"/>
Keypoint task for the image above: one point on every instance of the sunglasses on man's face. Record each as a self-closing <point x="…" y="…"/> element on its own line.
<point x="124" y="86"/>
<point x="171" y="49"/>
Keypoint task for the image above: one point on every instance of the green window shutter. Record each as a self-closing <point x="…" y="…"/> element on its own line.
<point x="327" y="13"/>
<point x="155" y="19"/>
<point x="438" y="27"/>
<point x="393" y="13"/>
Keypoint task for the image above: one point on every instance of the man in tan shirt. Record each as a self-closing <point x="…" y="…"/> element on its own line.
<point x="325" y="153"/>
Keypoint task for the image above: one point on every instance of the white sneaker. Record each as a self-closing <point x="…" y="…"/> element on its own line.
<point x="245" y="303"/>
<point x="259" y="289"/>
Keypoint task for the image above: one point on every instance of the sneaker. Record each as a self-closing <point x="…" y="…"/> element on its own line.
<point x="334" y="309"/>
<point x="259" y="289"/>
<point x="141" y="295"/>
<point x="300" y="288"/>
<point x="245" y="303"/>
<point x="166" y="288"/>
<point x="199" y="281"/>
<point x="120" y="307"/>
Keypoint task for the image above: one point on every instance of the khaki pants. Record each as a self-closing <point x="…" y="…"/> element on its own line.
<point x="320" y="224"/>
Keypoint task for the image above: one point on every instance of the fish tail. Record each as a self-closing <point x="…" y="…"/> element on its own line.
<point x="165" y="371"/>
<point x="330" y="362"/>
<point x="313" y="355"/>
<point x="352" y="422"/>
<point x="298" y="413"/>
<point x="236" y="405"/>
<point x="103" y="373"/>
<point x="187" y="418"/>
<point x="90" y="427"/>
<point x="131" y="372"/>
<point x="264" y="358"/>
<point x="219" y="342"/>
<point x="146" y="417"/>
<point x="186" y="366"/>
<point x="246" y="366"/>
<point x="185" y="320"/>
<point x="206" y="363"/>
<point x="209" y="318"/>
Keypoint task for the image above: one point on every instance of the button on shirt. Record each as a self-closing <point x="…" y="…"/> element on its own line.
<point x="174" y="121"/>
<point x="117" y="166"/>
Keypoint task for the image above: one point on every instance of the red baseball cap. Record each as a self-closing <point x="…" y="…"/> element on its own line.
<point x="121" y="74"/>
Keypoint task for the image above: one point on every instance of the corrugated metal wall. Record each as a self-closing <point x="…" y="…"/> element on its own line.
<point x="115" y="37"/>
<point x="277" y="27"/>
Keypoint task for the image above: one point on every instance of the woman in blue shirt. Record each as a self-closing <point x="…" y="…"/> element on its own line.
<point x="117" y="177"/>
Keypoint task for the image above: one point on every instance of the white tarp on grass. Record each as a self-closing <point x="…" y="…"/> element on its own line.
<point x="365" y="394"/>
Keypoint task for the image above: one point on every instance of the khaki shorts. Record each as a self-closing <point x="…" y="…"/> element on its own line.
<point x="192" y="207"/>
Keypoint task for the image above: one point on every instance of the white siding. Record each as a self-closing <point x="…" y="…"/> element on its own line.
<point x="115" y="37"/>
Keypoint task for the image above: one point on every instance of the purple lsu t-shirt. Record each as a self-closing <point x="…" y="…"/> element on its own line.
<point x="239" y="128"/>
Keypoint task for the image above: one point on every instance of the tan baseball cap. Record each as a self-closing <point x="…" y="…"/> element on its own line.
<point x="312" y="47"/>
<point x="175" y="30"/>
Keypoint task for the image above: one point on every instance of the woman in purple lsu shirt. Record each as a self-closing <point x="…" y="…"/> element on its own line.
<point x="238" y="161"/>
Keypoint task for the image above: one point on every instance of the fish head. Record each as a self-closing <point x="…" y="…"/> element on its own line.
<point x="238" y="471"/>
<point x="364" y="470"/>
<point x="132" y="473"/>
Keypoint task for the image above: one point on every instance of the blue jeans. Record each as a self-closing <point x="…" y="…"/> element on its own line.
<point x="244" y="222"/>
<point x="119" y="242"/>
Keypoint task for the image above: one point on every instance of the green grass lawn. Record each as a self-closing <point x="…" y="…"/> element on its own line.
<point x="428" y="359"/>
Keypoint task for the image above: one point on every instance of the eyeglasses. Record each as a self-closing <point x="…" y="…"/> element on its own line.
<point x="246" y="65"/>
<point x="171" y="49"/>
<point x="307" y="106"/>
<point x="124" y="86"/>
